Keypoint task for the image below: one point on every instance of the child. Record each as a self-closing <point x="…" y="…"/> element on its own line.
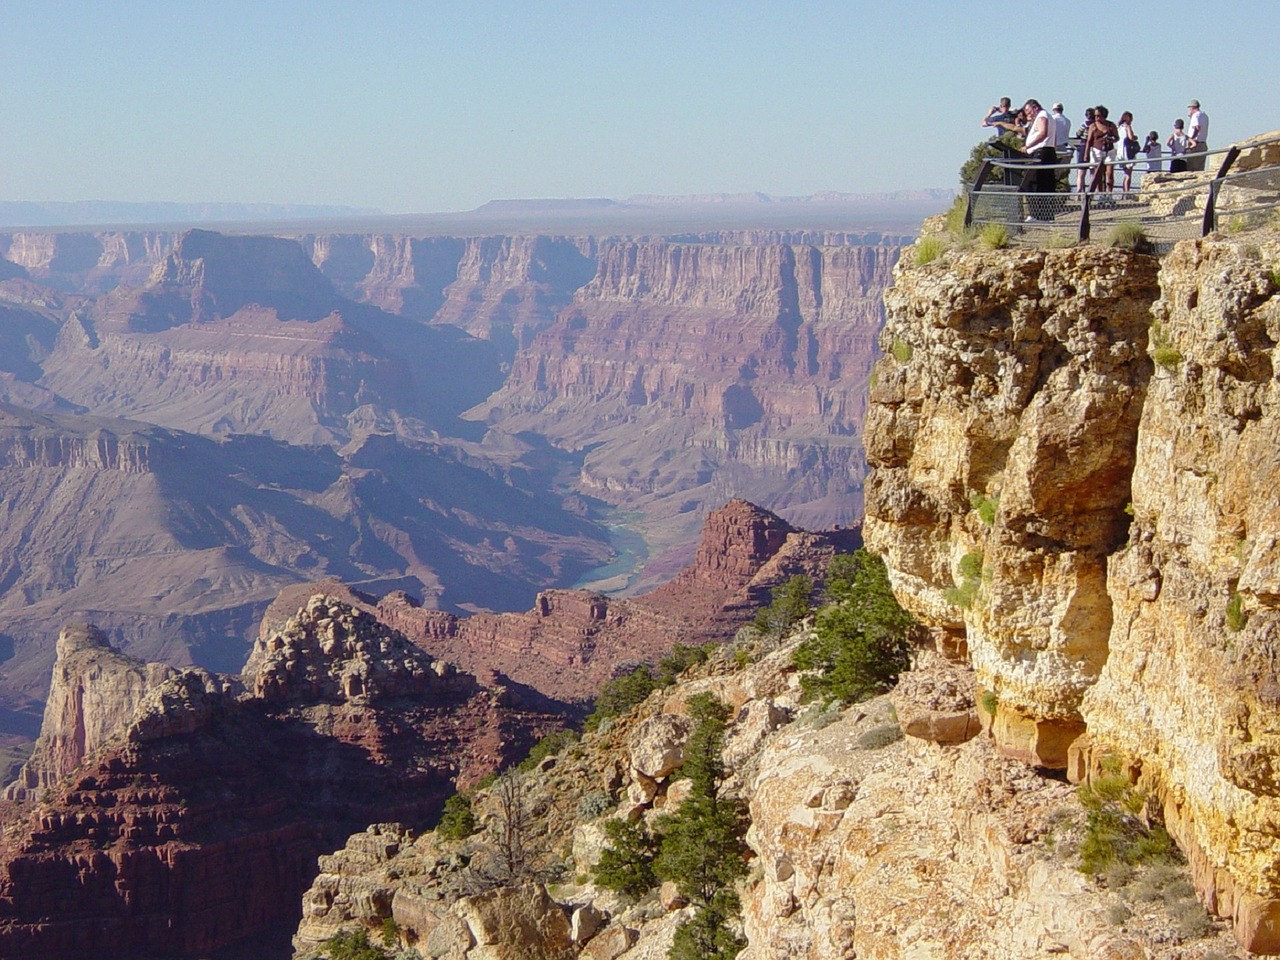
<point x="1153" y="151"/>
<point x="1177" y="144"/>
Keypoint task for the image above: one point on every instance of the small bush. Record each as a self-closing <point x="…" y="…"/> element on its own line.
<point x="879" y="737"/>
<point x="626" y="865"/>
<point x="593" y="805"/>
<point x="1115" y="831"/>
<point x="902" y="351"/>
<point x="390" y="932"/>
<point x="1058" y="241"/>
<point x="1163" y="352"/>
<point x="681" y="658"/>
<point x="1127" y="236"/>
<point x="548" y="746"/>
<point x="955" y="215"/>
<point x="986" y="507"/>
<point x="929" y="249"/>
<point x="457" y="822"/>
<point x="1275" y="278"/>
<point x="989" y="702"/>
<point x="620" y="694"/>
<point x="993" y="236"/>
<point x="790" y="603"/>
<point x="861" y="640"/>
<point x="351" y="945"/>
<point x="1235" y="614"/>
<point x="965" y="593"/>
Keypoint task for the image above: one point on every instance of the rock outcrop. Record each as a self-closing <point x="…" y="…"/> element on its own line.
<point x="1073" y="452"/>
<point x="193" y="821"/>
<point x="572" y="641"/>
<point x="94" y="692"/>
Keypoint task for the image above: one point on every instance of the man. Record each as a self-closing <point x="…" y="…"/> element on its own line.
<point x="1002" y="117"/>
<point x="1062" y="123"/>
<point x="1042" y="148"/>
<point x="1197" y="136"/>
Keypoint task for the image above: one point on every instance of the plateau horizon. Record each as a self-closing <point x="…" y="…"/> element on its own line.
<point x="417" y="107"/>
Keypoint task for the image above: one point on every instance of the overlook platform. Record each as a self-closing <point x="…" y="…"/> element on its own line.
<point x="1239" y="189"/>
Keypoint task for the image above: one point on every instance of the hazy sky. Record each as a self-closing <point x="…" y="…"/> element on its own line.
<point x="434" y="106"/>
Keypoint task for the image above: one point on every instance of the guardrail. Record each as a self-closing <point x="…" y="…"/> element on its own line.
<point x="1167" y="206"/>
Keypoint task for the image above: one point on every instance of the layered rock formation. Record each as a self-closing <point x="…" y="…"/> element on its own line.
<point x="689" y="372"/>
<point x="862" y="844"/>
<point x="175" y="544"/>
<point x="1072" y="454"/>
<point x="193" y="821"/>
<point x="572" y="641"/>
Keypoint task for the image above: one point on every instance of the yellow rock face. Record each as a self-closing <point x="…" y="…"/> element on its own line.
<point x="1002" y="433"/>
<point x="1076" y="463"/>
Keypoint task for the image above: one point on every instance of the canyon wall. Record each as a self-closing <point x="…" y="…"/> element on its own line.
<point x="1073" y="453"/>
<point x="194" y="816"/>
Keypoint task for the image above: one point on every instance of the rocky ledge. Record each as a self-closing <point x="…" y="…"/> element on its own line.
<point x="1073" y="458"/>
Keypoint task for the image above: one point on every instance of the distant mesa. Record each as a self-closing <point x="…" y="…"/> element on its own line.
<point x="55" y="213"/>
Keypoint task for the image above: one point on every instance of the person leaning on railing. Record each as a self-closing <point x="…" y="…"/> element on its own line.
<point x="1042" y="147"/>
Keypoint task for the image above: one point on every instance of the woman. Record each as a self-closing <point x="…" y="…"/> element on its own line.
<point x="1177" y="144"/>
<point x="1100" y="146"/>
<point x="1128" y="145"/>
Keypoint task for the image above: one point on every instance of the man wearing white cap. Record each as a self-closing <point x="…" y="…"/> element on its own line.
<point x="1197" y="136"/>
<point x="1062" y="123"/>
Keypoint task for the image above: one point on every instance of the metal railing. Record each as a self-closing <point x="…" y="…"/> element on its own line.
<point x="1168" y="207"/>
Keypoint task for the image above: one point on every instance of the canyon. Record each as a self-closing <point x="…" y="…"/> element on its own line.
<point x="180" y="813"/>
<point x="191" y="422"/>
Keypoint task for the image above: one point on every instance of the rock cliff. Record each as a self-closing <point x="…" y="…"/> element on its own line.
<point x="192" y="821"/>
<point x="1072" y="453"/>
<point x="686" y="372"/>
<point x="572" y="641"/>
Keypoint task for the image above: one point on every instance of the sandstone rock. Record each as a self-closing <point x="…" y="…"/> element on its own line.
<point x="93" y="695"/>
<point x="610" y="943"/>
<point x="512" y="923"/>
<point x="934" y="700"/>
<point x="585" y="922"/>
<point x="657" y="747"/>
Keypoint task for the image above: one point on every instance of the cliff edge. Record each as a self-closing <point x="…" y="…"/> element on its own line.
<point x="1073" y="455"/>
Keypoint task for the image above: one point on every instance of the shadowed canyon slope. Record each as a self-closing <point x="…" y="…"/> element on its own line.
<point x="196" y="420"/>
<point x="154" y="794"/>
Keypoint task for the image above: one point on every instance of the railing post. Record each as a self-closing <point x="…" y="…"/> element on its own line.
<point x="1210" y="204"/>
<point x="984" y="171"/>
<point x="1084" y="216"/>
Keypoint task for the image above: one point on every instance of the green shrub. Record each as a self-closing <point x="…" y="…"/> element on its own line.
<point x="593" y="805"/>
<point x="1127" y="236"/>
<point x="1162" y="351"/>
<point x="986" y="507"/>
<point x="902" y="351"/>
<point x="620" y="694"/>
<point x="457" y="822"/>
<point x="548" y="746"/>
<point x="956" y="213"/>
<point x="929" y="249"/>
<point x="879" y="737"/>
<point x="1235" y="613"/>
<point x="861" y="639"/>
<point x="390" y="932"/>
<point x="707" y="935"/>
<point x="351" y="945"/>
<point x="980" y="152"/>
<point x="790" y="603"/>
<point x="966" y="591"/>
<point x="626" y="864"/>
<point x="1274" y="277"/>
<point x="681" y="658"/>
<point x="989" y="702"/>
<point x="993" y="236"/>
<point x="1115" y="831"/>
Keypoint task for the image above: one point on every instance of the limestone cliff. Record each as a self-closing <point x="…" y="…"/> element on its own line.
<point x="1073" y="458"/>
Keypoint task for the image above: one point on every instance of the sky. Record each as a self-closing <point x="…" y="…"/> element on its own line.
<point x="420" y="107"/>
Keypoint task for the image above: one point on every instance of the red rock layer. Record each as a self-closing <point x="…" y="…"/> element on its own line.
<point x="199" y="825"/>
<point x="571" y="641"/>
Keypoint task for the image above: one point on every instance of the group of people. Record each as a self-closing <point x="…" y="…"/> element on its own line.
<point x="1099" y="142"/>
